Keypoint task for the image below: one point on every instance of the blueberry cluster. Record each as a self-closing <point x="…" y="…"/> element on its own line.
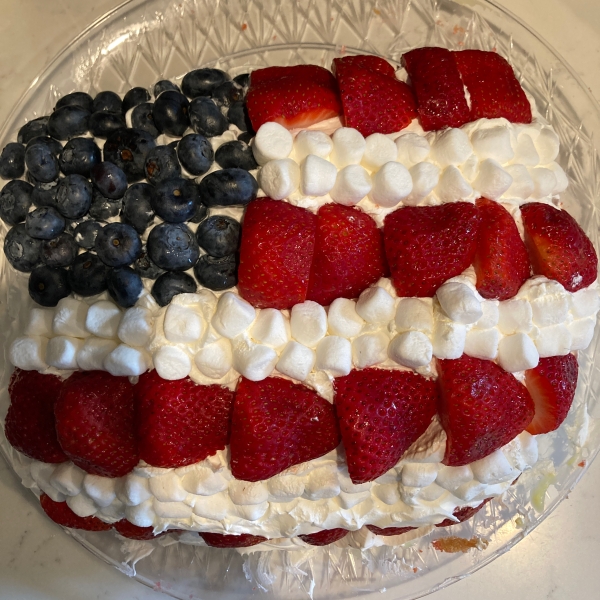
<point x="79" y="215"/>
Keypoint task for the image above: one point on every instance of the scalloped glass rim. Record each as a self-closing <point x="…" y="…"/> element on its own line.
<point x="139" y="41"/>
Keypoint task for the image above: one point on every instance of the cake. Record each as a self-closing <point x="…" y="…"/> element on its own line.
<point x="399" y="242"/>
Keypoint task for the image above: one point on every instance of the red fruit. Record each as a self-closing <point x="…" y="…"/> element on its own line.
<point x="95" y="423"/>
<point x="296" y="96"/>
<point x="438" y="87"/>
<point x="325" y="537"/>
<point x="179" y="422"/>
<point x="381" y="413"/>
<point x="133" y="532"/>
<point x="462" y="514"/>
<point x="552" y="386"/>
<point x="60" y="513"/>
<point x="243" y="540"/>
<point x="482" y="408"/>
<point x="501" y="262"/>
<point x="277" y="424"/>
<point x="492" y="86"/>
<point x="29" y="423"/>
<point x="558" y="248"/>
<point x="426" y="246"/>
<point x="276" y="254"/>
<point x="349" y="254"/>
<point x="389" y="530"/>
<point x="372" y="98"/>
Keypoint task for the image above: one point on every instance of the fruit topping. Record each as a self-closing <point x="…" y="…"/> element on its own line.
<point x="60" y="513"/>
<point x="462" y="514"/>
<point x="195" y="153"/>
<point x="48" y="285"/>
<point x="389" y="530"/>
<point x="133" y="532"/>
<point x="325" y="537"/>
<point x="171" y="113"/>
<point x="170" y="284"/>
<point x="203" y="82"/>
<point x="134" y="97"/>
<point x="206" y="118"/>
<point x="228" y="187"/>
<point x="243" y="540"/>
<point x="12" y="161"/>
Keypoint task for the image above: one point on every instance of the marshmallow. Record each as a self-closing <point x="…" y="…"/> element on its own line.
<point x="125" y="361"/>
<point x="271" y="327"/>
<point x="517" y="353"/>
<point x="203" y="482"/>
<point x="322" y="483"/>
<point x="271" y="142"/>
<point x="448" y="339"/>
<point x="412" y="149"/>
<point x="515" y="316"/>
<point x="67" y="479"/>
<point x="171" y="510"/>
<point x="391" y="184"/>
<point x="29" y="353"/>
<point x="61" y="352"/>
<point x="348" y="147"/>
<point x="352" y="184"/>
<point x="419" y="474"/>
<point x="182" y="325"/>
<point x="490" y="314"/>
<point x="494" y="468"/>
<point x="279" y="178"/>
<point x="492" y="180"/>
<point x="233" y="315"/>
<point x="562" y="181"/>
<point x="334" y="355"/>
<point x="94" y="351"/>
<point x="525" y="152"/>
<point x="296" y="361"/>
<point x="40" y="322"/>
<point x="69" y="318"/>
<point x="215" y="360"/>
<point x="245" y="493"/>
<point x="284" y="488"/>
<point x="415" y="313"/>
<point x="547" y="145"/>
<point x="459" y="302"/>
<point x="308" y="323"/>
<point x="544" y="182"/>
<point x="522" y="452"/>
<point x="388" y="493"/>
<point x="312" y="142"/>
<point x="582" y="332"/>
<point x="549" y="302"/>
<point x="452" y="186"/>
<point x="493" y="143"/>
<point x="136" y="326"/>
<point x="317" y="176"/>
<point x="103" y="318"/>
<point x="585" y="302"/>
<point x="81" y="505"/>
<point x="379" y="150"/>
<point x="167" y="488"/>
<point x="172" y="363"/>
<point x="141" y="515"/>
<point x="425" y="177"/>
<point x="522" y="185"/>
<point x="342" y="318"/>
<point x="451" y="478"/>
<point x="254" y="361"/>
<point x="100" y="489"/>
<point x="375" y="305"/>
<point x="412" y="349"/>
<point x="482" y="343"/>
<point x="451" y="147"/>
<point x="554" y="340"/>
<point x="134" y="490"/>
<point x="369" y="349"/>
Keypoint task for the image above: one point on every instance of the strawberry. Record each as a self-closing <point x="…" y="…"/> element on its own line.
<point x="482" y="408"/>
<point x="296" y="96"/>
<point x="493" y="88"/>
<point x="426" y="246"/>
<point x="462" y="514"/>
<point x="389" y="530"/>
<point x="277" y="424"/>
<point x="325" y="537"/>
<point x="60" y="513"/>
<point x="552" y="386"/>
<point x="133" y="532"/>
<point x="29" y="423"/>
<point x="501" y="262"/>
<point x="243" y="540"/>
<point x="438" y="88"/>
<point x="372" y="98"/>
<point x="179" y="422"/>
<point x="276" y="254"/>
<point x="348" y="256"/>
<point x="95" y="423"/>
<point x="381" y="413"/>
<point x="558" y="248"/>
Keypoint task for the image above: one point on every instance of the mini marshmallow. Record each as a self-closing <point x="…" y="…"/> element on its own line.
<point x="547" y="145"/>
<point x="254" y="361"/>
<point x="492" y="180"/>
<point x="271" y="142"/>
<point x="493" y="143"/>
<point x="215" y="360"/>
<point x="348" y="147"/>
<point x="451" y="478"/>
<point x="369" y="349"/>
<point x="522" y="185"/>
<point x="419" y="474"/>
<point x="29" y="353"/>
<point x="172" y="363"/>
<point x="322" y="483"/>
<point x="415" y="313"/>
<point x="334" y="355"/>
<point x="425" y="177"/>
<point x="562" y="181"/>
<point x="317" y="176"/>
<point x="308" y="323"/>
<point x="61" y="352"/>
<point x="451" y="147"/>
<point x="82" y="505"/>
<point x="279" y="178"/>
<point x="517" y="353"/>
<point x="453" y="186"/>
<point x="171" y="510"/>
<point x="352" y="184"/>
<point x="412" y="149"/>
<point x="312" y="142"/>
<point x="522" y="452"/>
<point x="490" y="314"/>
<point x="203" y="482"/>
<point x="136" y="326"/>
<point x="141" y="515"/>
<point x="233" y="315"/>
<point x="125" y="361"/>
<point x="375" y="305"/>
<point x="284" y="488"/>
<point x="554" y="340"/>
<point x="271" y="328"/>
<point x="379" y="150"/>
<point x="103" y="318"/>
<point x="391" y="184"/>
<point x="134" y="490"/>
<point x="544" y="182"/>
<point x="585" y="302"/>
<point x="412" y="349"/>
<point x="388" y="493"/>
<point x="342" y="318"/>
<point x="67" y="479"/>
<point x="494" y="468"/>
<point x="92" y="354"/>
<point x="244" y="493"/>
<point x="549" y="302"/>
<point x="167" y="488"/>
<point x="515" y="316"/>
<point x="459" y="302"/>
<point x="100" y="489"/>
<point x="296" y="361"/>
<point x="525" y="152"/>
<point x="482" y="343"/>
<point x="182" y="325"/>
<point x="582" y="332"/>
<point x="448" y="339"/>
<point x="69" y="318"/>
<point x="40" y="322"/>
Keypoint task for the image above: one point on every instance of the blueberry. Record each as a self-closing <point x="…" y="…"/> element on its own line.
<point x="195" y="154"/>
<point x="33" y="129"/>
<point x="118" y="244"/>
<point x="80" y="99"/>
<point x="137" y="208"/>
<point x="41" y="162"/>
<point x="15" y="200"/>
<point x="201" y="212"/>
<point x="48" y="285"/>
<point x="173" y="247"/>
<point x="87" y="276"/>
<point x="246" y="137"/>
<point x="103" y="123"/>
<point x="227" y="93"/>
<point x="170" y="113"/>
<point x="228" y="187"/>
<point x="135" y="96"/>
<point x="12" y="161"/>
<point x="216" y="273"/>
<point x="169" y="285"/>
<point x="107" y="102"/>
<point x="78" y="156"/>
<point x="44" y="194"/>
<point x="237" y="114"/>
<point x="44" y="223"/>
<point x="109" y="180"/>
<point x="243" y="81"/>
<point x="55" y="146"/>
<point x="141" y="118"/>
<point x="219" y="235"/>
<point x="124" y="286"/>
<point x="144" y="267"/>
<point x="103" y="209"/>
<point x="235" y="154"/>
<point x="202" y="82"/>
<point x="85" y="234"/>
<point x="21" y="250"/>
<point x="68" y="121"/>
<point x="206" y="118"/>
<point x="59" y="252"/>
<point x="175" y="200"/>
<point x="164" y="85"/>
<point x="161" y="164"/>
<point x="128" y="148"/>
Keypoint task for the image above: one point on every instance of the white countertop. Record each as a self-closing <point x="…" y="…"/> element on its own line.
<point x="557" y="561"/>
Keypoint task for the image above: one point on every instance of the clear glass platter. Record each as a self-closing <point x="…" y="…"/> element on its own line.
<point x="143" y="41"/>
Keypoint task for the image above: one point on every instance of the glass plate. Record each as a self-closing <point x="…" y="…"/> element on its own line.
<point x="143" y="41"/>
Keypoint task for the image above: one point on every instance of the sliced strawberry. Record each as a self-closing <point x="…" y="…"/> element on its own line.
<point x="552" y="386"/>
<point x="349" y="254"/>
<point x="482" y="408"/>
<point x="373" y="99"/>
<point x="493" y="88"/>
<point x="220" y="540"/>
<point x="276" y="253"/>
<point x="297" y="96"/>
<point x="133" y="532"/>
<point x="277" y="424"/>
<point x="95" y="423"/>
<point x="381" y="413"/>
<point x="501" y="262"/>
<point x="389" y="530"/>
<point x="462" y="514"/>
<point x="60" y="513"/>
<point x="438" y="87"/>
<point x="325" y="537"/>
<point x="558" y="247"/>
<point x="30" y="426"/>
<point x="426" y="246"/>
